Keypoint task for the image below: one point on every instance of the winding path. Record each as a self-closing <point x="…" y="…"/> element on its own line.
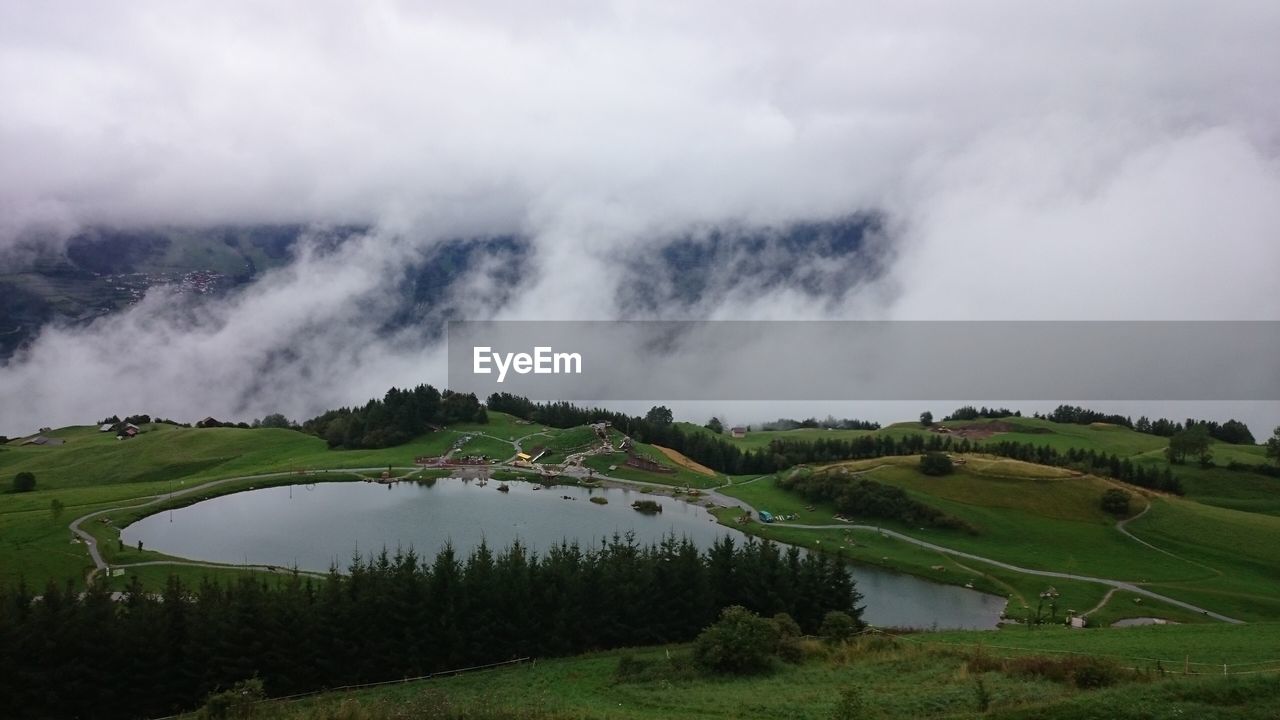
<point x="726" y="500"/>
<point x="1117" y="584"/>
<point x="1125" y="531"/>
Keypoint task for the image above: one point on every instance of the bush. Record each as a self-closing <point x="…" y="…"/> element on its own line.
<point x="1086" y="673"/>
<point x="982" y="695"/>
<point x="936" y="463"/>
<point x="241" y="701"/>
<point x="24" y="482"/>
<point x="789" y="647"/>
<point x="1116" y="502"/>
<point x="837" y="627"/>
<point x="850" y="705"/>
<point x="739" y="643"/>
<point x="1095" y="674"/>
<point x="672" y="669"/>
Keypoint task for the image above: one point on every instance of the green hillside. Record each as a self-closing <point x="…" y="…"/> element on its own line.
<point x="1050" y="519"/>
<point x="933" y="675"/>
<point x="1217" y="485"/>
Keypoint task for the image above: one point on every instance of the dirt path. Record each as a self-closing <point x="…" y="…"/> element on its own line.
<point x="1105" y="599"/>
<point x="1125" y="531"/>
<point x="1118" y="584"/>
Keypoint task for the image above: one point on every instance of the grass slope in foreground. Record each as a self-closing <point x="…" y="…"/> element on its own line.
<point x="914" y="676"/>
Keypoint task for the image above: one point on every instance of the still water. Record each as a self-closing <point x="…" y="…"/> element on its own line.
<point x="315" y="526"/>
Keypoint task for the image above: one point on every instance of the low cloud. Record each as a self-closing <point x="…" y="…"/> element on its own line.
<point x="1090" y="161"/>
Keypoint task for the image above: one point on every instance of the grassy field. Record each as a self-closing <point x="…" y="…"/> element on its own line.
<point x="93" y="471"/>
<point x="915" y="676"/>
<point x="1050" y="519"/>
<point x="561" y="444"/>
<point x="757" y="439"/>
<point x="1243" y="548"/>
<point x="1212" y="486"/>
<point x="681" y="476"/>
<point x="165" y="452"/>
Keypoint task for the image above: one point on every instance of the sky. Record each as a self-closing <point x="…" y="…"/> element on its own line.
<point x="1088" y="160"/>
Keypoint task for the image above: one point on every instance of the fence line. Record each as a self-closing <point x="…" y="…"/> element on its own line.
<point x="381" y="683"/>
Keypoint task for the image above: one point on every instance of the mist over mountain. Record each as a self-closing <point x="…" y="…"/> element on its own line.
<point x="243" y="210"/>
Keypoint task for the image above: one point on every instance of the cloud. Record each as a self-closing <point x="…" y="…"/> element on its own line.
<point x="1083" y="161"/>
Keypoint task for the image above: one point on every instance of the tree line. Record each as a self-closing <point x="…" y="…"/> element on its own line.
<point x="400" y="416"/>
<point x="827" y="423"/>
<point x="71" y="654"/>
<point x="862" y="497"/>
<point x="969" y="412"/>
<point x="1232" y="431"/>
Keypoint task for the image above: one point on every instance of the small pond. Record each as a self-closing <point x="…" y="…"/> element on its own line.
<point x="315" y="526"/>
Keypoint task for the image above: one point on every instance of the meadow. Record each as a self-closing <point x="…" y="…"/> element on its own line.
<point x="1050" y="519"/>
<point x="999" y="674"/>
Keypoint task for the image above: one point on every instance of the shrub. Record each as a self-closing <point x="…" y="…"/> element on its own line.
<point x="739" y="643"/>
<point x="982" y="695"/>
<point x="240" y="701"/>
<point x="24" y="482"/>
<point x="1084" y="672"/>
<point x="789" y="647"/>
<point x="1095" y="673"/>
<point x="837" y="627"/>
<point x="1116" y="502"/>
<point x="936" y="463"/>
<point x="850" y="705"/>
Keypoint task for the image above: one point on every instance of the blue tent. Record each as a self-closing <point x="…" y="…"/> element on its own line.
<point x="766" y="516"/>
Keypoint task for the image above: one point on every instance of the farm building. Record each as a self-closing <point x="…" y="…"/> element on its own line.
<point x="738" y="431"/>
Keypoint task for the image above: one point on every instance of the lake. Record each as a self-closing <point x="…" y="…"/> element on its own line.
<point x="315" y="526"/>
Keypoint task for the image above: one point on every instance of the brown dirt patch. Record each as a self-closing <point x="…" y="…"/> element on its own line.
<point x="976" y="431"/>
<point x="684" y="462"/>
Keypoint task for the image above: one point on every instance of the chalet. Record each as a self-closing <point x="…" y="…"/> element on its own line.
<point x="106" y="427"/>
<point x="738" y="431"/>
<point x="128" y="430"/>
<point x="42" y="440"/>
